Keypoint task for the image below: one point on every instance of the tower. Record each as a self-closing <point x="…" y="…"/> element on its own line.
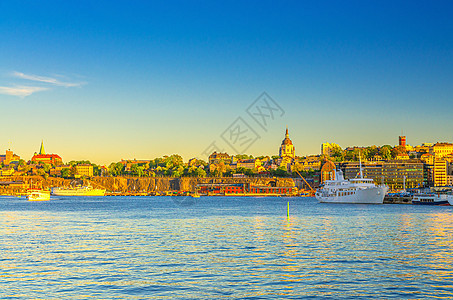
<point x="402" y="141"/>
<point x="41" y="150"/>
<point x="287" y="147"/>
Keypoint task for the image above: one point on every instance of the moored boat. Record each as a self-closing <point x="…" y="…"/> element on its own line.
<point x="358" y="190"/>
<point x="432" y="199"/>
<point x="38" y="195"/>
<point x="77" y="191"/>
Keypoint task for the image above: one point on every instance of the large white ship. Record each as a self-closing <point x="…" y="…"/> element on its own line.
<point x="358" y="190"/>
<point x="77" y="191"/>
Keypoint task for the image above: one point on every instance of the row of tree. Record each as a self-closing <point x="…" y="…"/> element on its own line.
<point x="385" y="152"/>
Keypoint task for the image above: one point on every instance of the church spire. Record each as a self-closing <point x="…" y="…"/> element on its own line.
<point x="286" y="135"/>
<point x="41" y="150"/>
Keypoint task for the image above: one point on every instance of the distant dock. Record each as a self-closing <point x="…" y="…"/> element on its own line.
<point x="397" y="199"/>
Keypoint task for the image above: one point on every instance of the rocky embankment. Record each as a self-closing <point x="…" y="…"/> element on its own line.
<point x="148" y="185"/>
<point x="141" y="184"/>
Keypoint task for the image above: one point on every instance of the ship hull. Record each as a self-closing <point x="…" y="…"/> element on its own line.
<point x="442" y="203"/>
<point x="373" y="195"/>
<point x="78" y="192"/>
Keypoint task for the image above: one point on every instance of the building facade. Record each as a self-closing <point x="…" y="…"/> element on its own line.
<point x="327" y="171"/>
<point x="9" y="157"/>
<point x="215" y="158"/>
<point x="442" y="149"/>
<point x="397" y="174"/>
<point x="84" y="170"/>
<point x="42" y="157"/>
<point x="440" y="172"/>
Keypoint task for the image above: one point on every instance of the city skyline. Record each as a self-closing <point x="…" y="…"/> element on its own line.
<point x="42" y="150"/>
<point x="111" y="81"/>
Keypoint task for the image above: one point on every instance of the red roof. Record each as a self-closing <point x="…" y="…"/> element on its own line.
<point x="46" y="156"/>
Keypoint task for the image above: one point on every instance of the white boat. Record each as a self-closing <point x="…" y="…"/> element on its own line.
<point x="38" y="195"/>
<point x="450" y="199"/>
<point x="358" y="190"/>
<point x="432" y="199"/>
<point x="77" y="191"/>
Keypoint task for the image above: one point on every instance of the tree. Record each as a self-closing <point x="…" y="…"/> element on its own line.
<point x="337" y="154"/>
<point x="116" y="169"/>
<point x="137" y="170"/>
<point x="66" y="173"/>
<point x="97" y="171"/>
<point x="397" y="151"/>
<point x="372" y="151"/>
<point x="221" y="168"/>
<point x="281" y="171"/>
<point x="46" y="167"/>
<point x="298" y="167"/>
<point x="178" y="171"/>
<point x="173" y="160"/>
<point x="243" y="156"/>
<point x="385" y="152"/>
<point x="200" y="172"/>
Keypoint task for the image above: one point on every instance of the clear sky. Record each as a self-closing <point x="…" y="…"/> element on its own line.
<point x="111" y="80"/>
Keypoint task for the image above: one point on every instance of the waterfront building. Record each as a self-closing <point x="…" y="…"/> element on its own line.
<point x="440" y="172"/>
<point x="12" y="187"/>
<point x="84" y="170"/>
<point x="424" y="148"/>
<point x="402" y="156"/>
<point x="312" y="162"/>
<point x="56" y="171"/>
<point x="7" y="171"/>
<point x="246" y="163"/>
<point x="328" y="171"/>
<point x="449" y="158"/>
<point x="215" y="158"/>
<point x="270" y="165"/>
<point x="42" y="157"/>
<point x="9" y="158"/>
<point x="450" y="180"/>
<point x="427" y="158"/>
<point x="442" y="149"/>
<point x="254" y="163"/>
<point x="328" y="149"/>
<point x="394" y="173"/>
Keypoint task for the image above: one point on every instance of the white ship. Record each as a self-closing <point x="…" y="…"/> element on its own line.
<point x="358" y="190"/>
<point x="38" y="195"/>
<point x="432" y="199"/>
<point x="77" y="191"/>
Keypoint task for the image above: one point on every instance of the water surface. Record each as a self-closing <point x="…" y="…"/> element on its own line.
<point x="222" y="247"/>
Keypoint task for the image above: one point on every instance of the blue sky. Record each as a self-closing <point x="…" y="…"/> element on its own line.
<point x="115" y="80"/>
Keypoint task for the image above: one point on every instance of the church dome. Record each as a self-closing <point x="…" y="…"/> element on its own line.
<point x="287" y="141"/>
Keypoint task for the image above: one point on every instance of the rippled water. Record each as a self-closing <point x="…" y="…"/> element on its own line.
<point x="216" y="247"/>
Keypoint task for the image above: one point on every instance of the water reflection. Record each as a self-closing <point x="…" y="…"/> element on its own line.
<point x="137" y="248"/>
